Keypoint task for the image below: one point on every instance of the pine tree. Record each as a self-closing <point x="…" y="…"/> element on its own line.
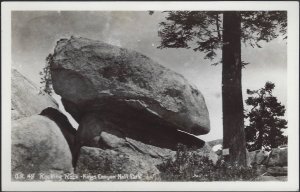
<point x="266" y="123"/>
<point x="208" y="31"/>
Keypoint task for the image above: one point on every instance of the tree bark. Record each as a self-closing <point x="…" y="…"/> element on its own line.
<point x="218" y="27"/>
<point x="233" y="118"/>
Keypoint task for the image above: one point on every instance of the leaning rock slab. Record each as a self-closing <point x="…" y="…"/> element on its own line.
<point x="93" y="76"/>
<point x="38" y="146"/>
<point x="26" y="98"/>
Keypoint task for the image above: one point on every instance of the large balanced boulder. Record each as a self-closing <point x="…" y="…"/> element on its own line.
<point x="26" y="98"/>
<point x="95" y="76"/>
<point x="38" y="146"/>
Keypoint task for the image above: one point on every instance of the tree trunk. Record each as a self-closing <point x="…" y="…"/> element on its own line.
<point x="233" y="118"/>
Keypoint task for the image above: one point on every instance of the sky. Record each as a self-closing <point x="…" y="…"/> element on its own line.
<point x="35" y="33"/>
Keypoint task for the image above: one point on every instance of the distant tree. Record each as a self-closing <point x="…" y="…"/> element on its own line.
<point x="46" y="80"/>
<point x="209" y="31"/>
<point x="266" y="119"/>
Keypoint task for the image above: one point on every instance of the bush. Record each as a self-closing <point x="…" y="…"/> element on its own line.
<point x="190" y="166"/>
<point x="46" y="79"/>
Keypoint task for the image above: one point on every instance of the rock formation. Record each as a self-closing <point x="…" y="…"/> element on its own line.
<point x="38" y="145"/>
<point x="112" y="163"/>
<point x="132" y="114"/>
<point x="273" y="162"/>
<point x="258" y="157"/>
<point x="270" y="165"/>
<point x="125" y="103"/>
<point x="63" y="123"/>
<point x="278" y="157"/>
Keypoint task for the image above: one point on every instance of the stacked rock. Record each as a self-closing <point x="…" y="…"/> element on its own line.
<point x="125" y="103"/>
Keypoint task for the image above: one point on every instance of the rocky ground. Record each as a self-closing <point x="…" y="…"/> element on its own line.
<point x="269" y="165"/>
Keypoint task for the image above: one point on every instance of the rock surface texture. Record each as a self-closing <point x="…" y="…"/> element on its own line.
<point x="91" y="75"/>
<point x="272" y="164"/>
<point x="132" y="112"/>
<point x="38" y="146"/>
<point x="38" y="142"/>
<point x="26" y="97"/>
<point x="258" y="157"/>
<point x="117" y="164"/>
<point x="278" y="157"/>
<point x="63" y="123"/>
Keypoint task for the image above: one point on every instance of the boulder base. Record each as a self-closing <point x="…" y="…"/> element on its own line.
<point x="93" y="125"/>
<point x="113" y="165"/>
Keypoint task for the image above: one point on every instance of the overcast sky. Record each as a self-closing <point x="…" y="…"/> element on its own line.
<point x="34" y="35"/>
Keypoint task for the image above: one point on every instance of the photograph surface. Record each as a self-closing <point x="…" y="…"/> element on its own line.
<point x="152" y="95"/>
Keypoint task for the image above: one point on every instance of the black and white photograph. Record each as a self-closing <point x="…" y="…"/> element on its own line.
<point x="150" y="95"/>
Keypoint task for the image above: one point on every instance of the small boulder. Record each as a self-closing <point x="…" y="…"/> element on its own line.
<point x="38" y="146"/>
<point x="110" y="140"/>
<point x="257" y="157"/>
<point x="278" y="157"/>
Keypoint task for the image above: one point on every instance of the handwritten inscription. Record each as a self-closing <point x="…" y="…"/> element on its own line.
<point x="74" y="177"/>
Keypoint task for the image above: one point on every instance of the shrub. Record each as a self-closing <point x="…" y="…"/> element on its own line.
<point x="190" y="166"/>
<point x="46" y="79"/>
